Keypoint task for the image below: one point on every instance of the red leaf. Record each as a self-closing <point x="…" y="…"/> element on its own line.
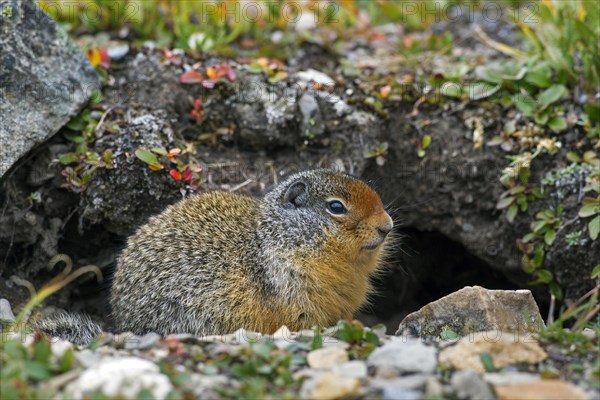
<point x="226" y="70"/>
<point x="105" y="60"/>
<point x="187" y="174"/>
<point x="175" y="174"/>
<point x="191" y="77"/>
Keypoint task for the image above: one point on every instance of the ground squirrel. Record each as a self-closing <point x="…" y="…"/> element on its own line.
<point x="216" y="262"/>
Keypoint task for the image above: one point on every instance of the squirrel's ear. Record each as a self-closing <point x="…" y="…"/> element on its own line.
<point x="296" y="195"/>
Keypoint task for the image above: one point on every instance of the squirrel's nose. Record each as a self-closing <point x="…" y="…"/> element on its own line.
<point x="386" y="227"/>
<point x="383" y="231"/>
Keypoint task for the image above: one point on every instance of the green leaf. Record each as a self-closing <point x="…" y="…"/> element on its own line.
<point x="545" y="276"/>
<point x="512" y="213"/>
<point x="425" y="142"/>
<point x="593" y="111"/>
<point x="595" y="272"/>
<point x="590" y="157"/>
<point x="488" y="73"/>
<point x="573" y="157"/>
<point x="550" y="236"/>
<point x="525" y="103"/>
<point x="527" y="265"/>
<point x="36" y="371"/>
<point x="552" y="95"/>
<point x="537" y="226"/>
<point x="487" y="361"/>
<point x="448" y="334"/>
<point x="523" y="205"/>
<point x="528" y="238"/>
<point x="555" y="290"/>
<point x="482" y="90"/>
<point x="76" y="124"/>
<point x="540" y="75"/>
<point x="517" y="189"/>
<point x="262" y="350"/>
<point x="557" y="124"/>
<point x="545" y="215"/>
<point x="451" y="89"/>
<point x="73" y="137"/>
<point x="96" y="97"/>
<point x="513" y="71"/>
<point x="146" y="156"/>
<point x="538" y="257"/>
<point x="317" y="341"/>
<point x="505" y="202"/>
<point x="542" y="118"/>
<point x="66" y="361"/>
<point x="68" y="158"/>
<point x="42" y="351"/>
<point x="372" y="338"/>
<point x="594" y="228"/>
<point x="589" y="209"/>
<point x="264" y="369"/>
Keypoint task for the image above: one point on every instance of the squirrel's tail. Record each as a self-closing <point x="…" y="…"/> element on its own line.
<point x="74" y="327"/>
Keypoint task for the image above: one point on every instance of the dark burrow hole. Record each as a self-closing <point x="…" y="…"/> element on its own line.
<point x="426" y="267"/>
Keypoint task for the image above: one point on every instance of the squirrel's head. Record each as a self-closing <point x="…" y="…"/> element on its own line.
<point x="335" y="203"/>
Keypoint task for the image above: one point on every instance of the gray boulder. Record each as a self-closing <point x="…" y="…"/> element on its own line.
<point x="475" y="309"/>
<point x="44" y="79"/>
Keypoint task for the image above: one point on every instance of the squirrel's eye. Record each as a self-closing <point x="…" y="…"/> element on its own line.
<point x="336" y="207"/>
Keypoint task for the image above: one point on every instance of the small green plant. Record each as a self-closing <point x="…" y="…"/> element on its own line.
<point x="580" y="315"/>
<point x="7" y="11"/>
<point x="317" y="341"/>
<point x="24" y="367"/>
<point x="189" y="175"/>
<point x="362" y="340"/>
<point x="565" y="36"/>
<point x="487" y="361"/>
<point x="379" y="154"/>
<point x="423" y="145"/>
<point x="274" y="69"/>
<point x="66" y="276"/>
<point x="448" y="334"/>
<point x="81" y="163"/>
<point x="519" y="193"/>
<point x="589" y="157"/>
<point x="535" y="244"/>
<point x="573" y="238"/>
<point x="262" y="369"/>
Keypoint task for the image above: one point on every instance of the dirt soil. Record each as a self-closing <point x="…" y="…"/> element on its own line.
<point x="444" y="202"/>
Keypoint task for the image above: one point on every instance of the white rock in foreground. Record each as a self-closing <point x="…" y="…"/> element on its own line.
<point x="122" y="377"/>
<point x="403" y="355"/>
<point x="327" y="358"/>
